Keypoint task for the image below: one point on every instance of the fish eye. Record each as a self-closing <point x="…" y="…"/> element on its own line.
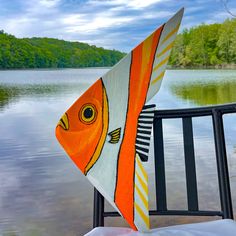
<point x="88" y="114"/>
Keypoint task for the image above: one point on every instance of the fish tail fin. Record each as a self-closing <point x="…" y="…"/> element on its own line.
<point x="141" y="209"/>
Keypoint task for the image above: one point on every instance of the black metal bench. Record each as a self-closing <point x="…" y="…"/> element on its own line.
<point x="216" y="112"/>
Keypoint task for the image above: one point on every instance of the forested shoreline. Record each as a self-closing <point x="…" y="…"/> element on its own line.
<point x="30" y="53"/>
<point x="204" y="46"/>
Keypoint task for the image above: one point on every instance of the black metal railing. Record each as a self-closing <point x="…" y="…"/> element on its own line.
<point x="216" y="112"/>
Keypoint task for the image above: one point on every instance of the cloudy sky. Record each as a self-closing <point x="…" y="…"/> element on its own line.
<point x="113" y="24"/>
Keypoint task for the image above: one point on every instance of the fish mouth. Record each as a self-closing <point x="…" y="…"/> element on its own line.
<point x="64" y="122"/>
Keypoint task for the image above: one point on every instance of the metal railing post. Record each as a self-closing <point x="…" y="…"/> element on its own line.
<point x="98" y="209"/>
<point x="160" y="179"/>
<point x="221" y="157"/>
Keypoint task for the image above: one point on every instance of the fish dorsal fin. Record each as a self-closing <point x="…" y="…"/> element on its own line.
<point x="165" y="44"/>
<point x="143" y="137"/>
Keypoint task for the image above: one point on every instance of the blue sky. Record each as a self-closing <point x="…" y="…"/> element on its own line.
<point x="113" y="24"/>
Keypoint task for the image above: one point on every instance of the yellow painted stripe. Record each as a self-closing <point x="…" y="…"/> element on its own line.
<point x="96" y="154"/>
<point x="161" y="63"/>
<point x="165" y="50"/>
<point x="170" y="34"/>
<point x="143" y="184"/>
<point x="116" y="129"/>
<point x="141" y="168"/>
<point x="142" y="197"/>
<point x="115" y="132"/>
<point x="144" y="217"/>
<point x="146" y="53"/>
<point x="158" y="77"/>
<point x="114" y="141"/>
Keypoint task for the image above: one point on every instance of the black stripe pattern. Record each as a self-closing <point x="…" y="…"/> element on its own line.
<point x="143" y="138"/>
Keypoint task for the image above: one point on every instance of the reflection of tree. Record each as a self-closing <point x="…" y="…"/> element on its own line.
<point x="7" y="95"/>
<point x="207" y="94"/>
<point x="10" y="94"/>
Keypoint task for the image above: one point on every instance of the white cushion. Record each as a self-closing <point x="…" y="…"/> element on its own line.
<point x="212" y="228"/>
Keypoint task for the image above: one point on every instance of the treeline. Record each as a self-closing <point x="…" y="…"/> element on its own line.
<point x="52" y="53"/>
<point x="211" y="45"/>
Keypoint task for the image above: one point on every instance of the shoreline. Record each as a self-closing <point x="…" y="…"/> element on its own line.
<point x="169" y="67"/>
<point x="84" y="68"/>
<point x="216" y="67"/>
<point x="53" y="68"/>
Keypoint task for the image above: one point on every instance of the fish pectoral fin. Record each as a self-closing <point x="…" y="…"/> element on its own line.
<point x="115" y="136"/>
<point x="145" y="122"/>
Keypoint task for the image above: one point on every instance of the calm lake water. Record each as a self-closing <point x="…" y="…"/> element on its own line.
<point x="41" y="190"/>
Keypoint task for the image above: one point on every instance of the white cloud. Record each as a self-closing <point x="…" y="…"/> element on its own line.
<point x="194" y="9"/>
<point x="36" y="17"/>
<point x="108" y="41"/>
<point x="156" y="15"/>
<point x="135" y="4"/>
<point x="42" y="7"/>
<point x="83" y="24"/>
<point x="48" y="3"/>
<point x="20" y="26"/>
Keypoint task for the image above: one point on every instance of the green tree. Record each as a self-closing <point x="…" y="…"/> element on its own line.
<point x="52" y="53"/>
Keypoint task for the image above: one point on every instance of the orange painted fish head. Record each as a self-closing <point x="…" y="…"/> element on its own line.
<point x="82" y="130"/>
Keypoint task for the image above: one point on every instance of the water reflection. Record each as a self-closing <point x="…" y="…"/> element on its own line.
<point x="7" y="95"/>
<point x="11" y="94"/>
<point x="207" y="93"/>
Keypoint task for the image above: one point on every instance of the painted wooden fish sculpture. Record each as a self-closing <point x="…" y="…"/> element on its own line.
<point x="106" y="132"/>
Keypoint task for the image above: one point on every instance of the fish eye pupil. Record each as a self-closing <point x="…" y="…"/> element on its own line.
<point x="88" y="113"/>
